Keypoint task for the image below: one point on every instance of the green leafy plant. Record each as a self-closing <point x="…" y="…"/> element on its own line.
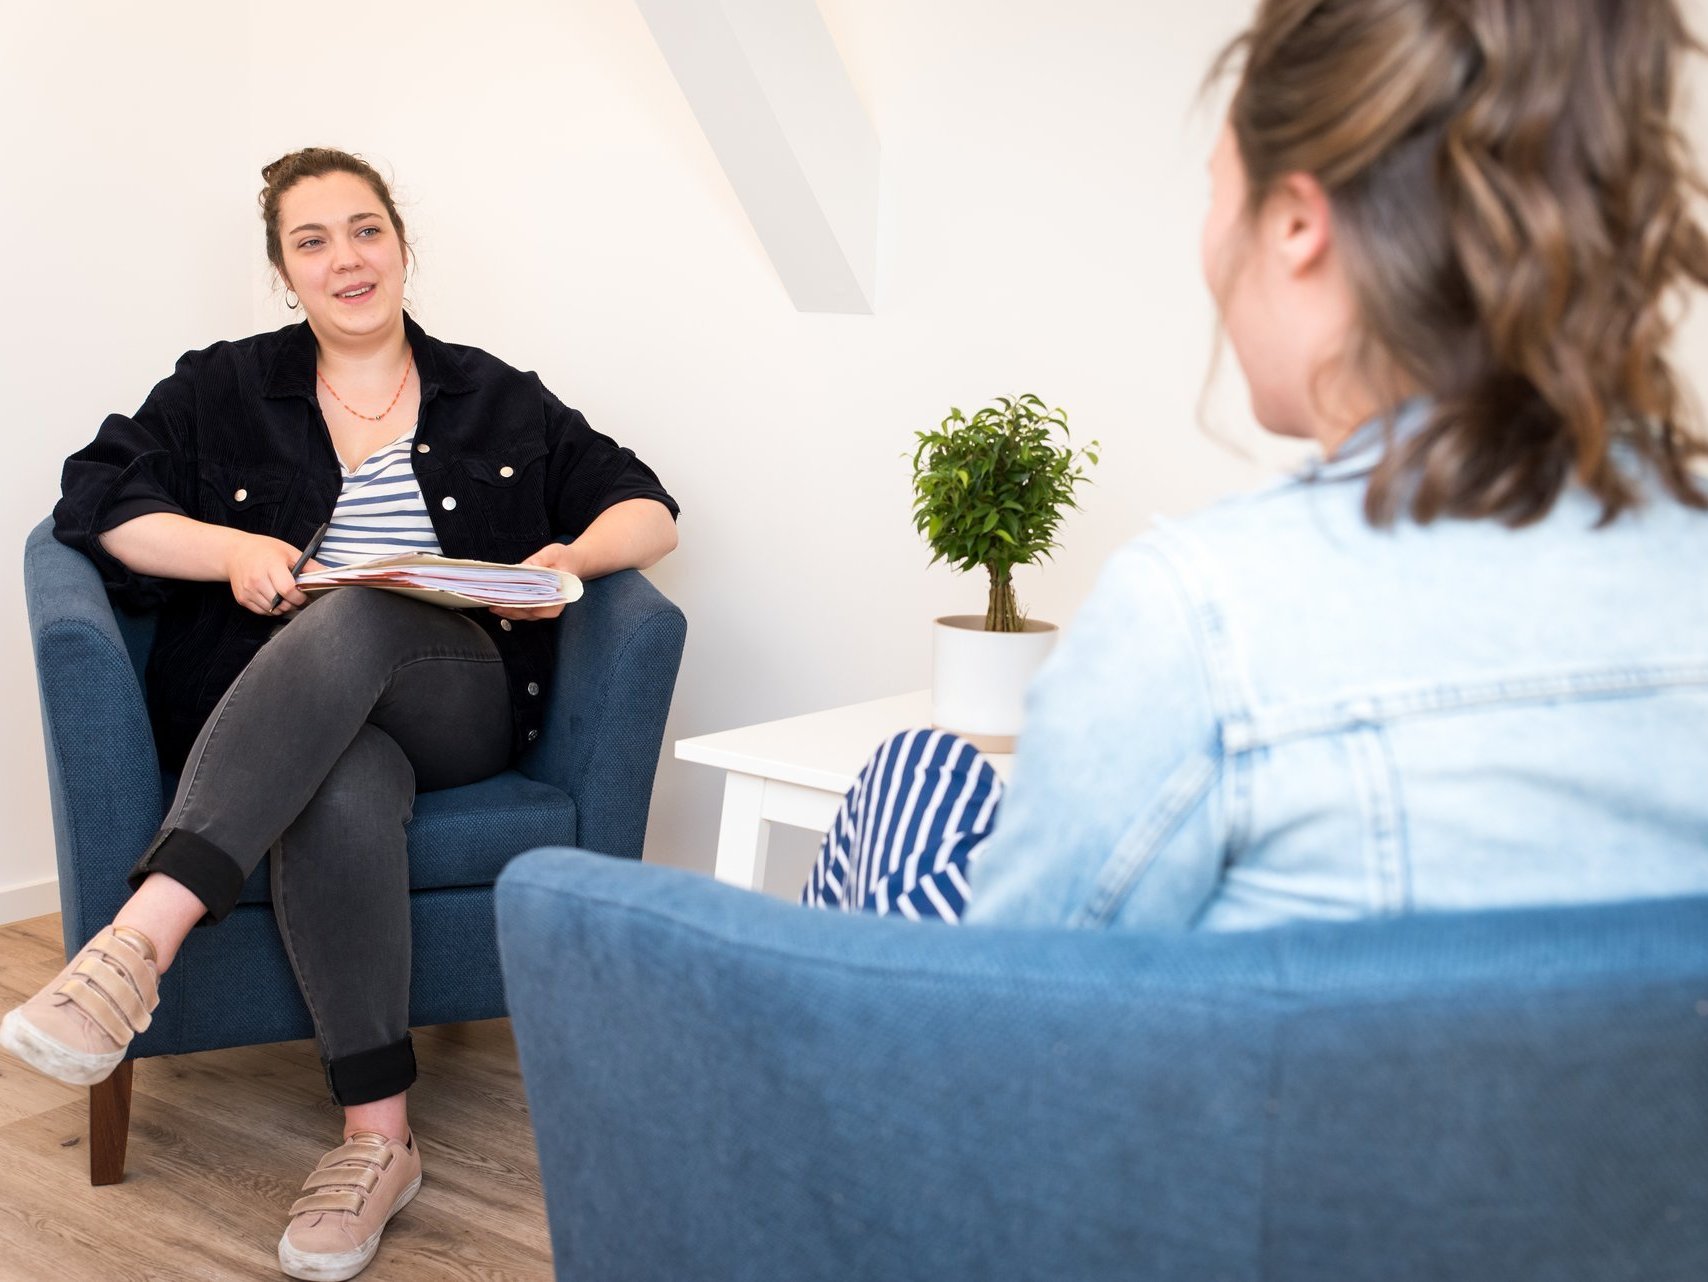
<point x="990" y="491"/>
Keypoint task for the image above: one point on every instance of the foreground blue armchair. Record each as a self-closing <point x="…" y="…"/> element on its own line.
<point x="726" y="1086"/>
<point x="587" y="780"/>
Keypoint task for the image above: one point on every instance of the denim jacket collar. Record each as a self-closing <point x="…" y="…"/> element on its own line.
<point x="1363" y="449"/>
<point x="292" y="370"/>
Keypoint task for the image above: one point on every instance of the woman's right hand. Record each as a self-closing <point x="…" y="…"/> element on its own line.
<point x="259" y="569"/>
<point x="170" y="545"/>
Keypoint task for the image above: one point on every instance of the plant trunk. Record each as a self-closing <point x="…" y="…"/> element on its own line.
<point x="1002" y="614"/>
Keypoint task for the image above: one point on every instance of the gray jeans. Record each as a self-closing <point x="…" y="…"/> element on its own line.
<point x="314" y="755"/>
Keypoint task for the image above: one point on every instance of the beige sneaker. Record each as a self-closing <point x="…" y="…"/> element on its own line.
<point x="335" y="1229"/>
<point x="77" y="1028"/>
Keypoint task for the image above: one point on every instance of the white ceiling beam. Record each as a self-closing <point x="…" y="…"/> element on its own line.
<point x="768" y="86"/>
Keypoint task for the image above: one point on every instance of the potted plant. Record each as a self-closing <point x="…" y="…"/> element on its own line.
<point x="990" y="491"/>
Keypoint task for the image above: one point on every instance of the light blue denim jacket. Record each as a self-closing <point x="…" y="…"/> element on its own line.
<point x="1273" y="712"/>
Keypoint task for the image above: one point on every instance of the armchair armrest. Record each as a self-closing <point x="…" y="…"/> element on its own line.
<point x="619" y="648"/>
<point x="103" y="770"/>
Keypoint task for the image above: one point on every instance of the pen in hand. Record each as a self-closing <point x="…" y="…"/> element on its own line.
<point x="307" y="554"/>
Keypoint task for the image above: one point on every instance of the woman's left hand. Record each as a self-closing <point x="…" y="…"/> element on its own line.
<point x="559" y="556"/>
<point x="632" y="534"/>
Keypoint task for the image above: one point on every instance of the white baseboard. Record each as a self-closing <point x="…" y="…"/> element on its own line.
<point x="32" y="899"/>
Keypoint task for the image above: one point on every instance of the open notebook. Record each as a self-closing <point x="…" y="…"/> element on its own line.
<point x="460" y="585"/>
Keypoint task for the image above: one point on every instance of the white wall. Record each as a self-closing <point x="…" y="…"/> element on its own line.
<point x="122" y="222"/>
<point x="1042" y="182"/>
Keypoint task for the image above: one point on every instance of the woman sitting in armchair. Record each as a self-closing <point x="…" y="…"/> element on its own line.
<point x="302" y="731"/>
<point x="1463" y="661"/>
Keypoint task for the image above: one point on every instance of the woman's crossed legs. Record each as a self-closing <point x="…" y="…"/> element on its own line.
<point x="315" y="754"/>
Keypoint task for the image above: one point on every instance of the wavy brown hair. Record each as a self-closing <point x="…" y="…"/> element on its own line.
<point x="1512" y="197"/>
<point x="315" y="162"/>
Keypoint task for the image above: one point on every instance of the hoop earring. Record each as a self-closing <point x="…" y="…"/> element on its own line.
<point x="291" y="300"/>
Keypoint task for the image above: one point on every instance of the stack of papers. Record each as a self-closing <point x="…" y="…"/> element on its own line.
<point x="457" y="584"/>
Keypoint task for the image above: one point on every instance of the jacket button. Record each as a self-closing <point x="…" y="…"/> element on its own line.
<point x="507" y="471"/>
<point x="533" y="735"/>
<point x="533" y="687"/>
<point x="423" y="448"/>
<point x="448" y="503"/>
<point x="240" y="496"/>
<point x="505" y="624"/>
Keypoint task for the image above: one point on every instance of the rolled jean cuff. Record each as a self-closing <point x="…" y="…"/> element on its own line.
<point x="367" y="1076"/>
<point x="205" y="870"/>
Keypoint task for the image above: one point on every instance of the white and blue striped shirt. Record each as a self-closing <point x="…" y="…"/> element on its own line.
<point x="380" y="511"/>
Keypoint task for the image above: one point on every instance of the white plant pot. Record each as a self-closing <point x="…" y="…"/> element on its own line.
<point x="979" y="678"/>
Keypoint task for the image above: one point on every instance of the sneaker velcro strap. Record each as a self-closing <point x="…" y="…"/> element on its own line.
<point x="89" y="998"/>
<point x="365" y="1178"/>
<point x="350" y="1201"/>
<point x="136" y="964"/>
<point x="115" y="984"/>
<point x="378" y="1154"/>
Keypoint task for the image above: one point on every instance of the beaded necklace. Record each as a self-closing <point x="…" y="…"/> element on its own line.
<point x="372" y="418"/>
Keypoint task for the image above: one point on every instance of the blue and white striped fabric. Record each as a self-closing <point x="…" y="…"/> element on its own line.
<point x="380" y="511"/>
<point x="908" y="830"/>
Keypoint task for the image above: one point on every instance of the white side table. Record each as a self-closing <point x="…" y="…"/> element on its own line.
<point x="795" y="772"/>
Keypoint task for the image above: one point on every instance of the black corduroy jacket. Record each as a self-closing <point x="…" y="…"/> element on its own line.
<point x="235" y="437"/>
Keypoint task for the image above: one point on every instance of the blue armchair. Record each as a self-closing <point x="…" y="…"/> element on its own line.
<point x="588" y="779"/>
<point x="728" y="1087"/>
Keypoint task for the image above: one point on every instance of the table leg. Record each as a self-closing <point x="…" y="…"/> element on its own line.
<point x="743" y="833"/>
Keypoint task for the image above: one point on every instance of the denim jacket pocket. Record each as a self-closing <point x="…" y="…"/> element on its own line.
<point x="243" y="497"/>
<point x="509" y="487"/>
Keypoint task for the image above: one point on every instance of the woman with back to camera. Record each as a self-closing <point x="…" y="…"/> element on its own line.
<point x="1462" y="662"/>
<point x="311" y="737"/>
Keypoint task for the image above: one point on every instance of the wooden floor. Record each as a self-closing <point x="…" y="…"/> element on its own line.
<point x="220" y="1142"/>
